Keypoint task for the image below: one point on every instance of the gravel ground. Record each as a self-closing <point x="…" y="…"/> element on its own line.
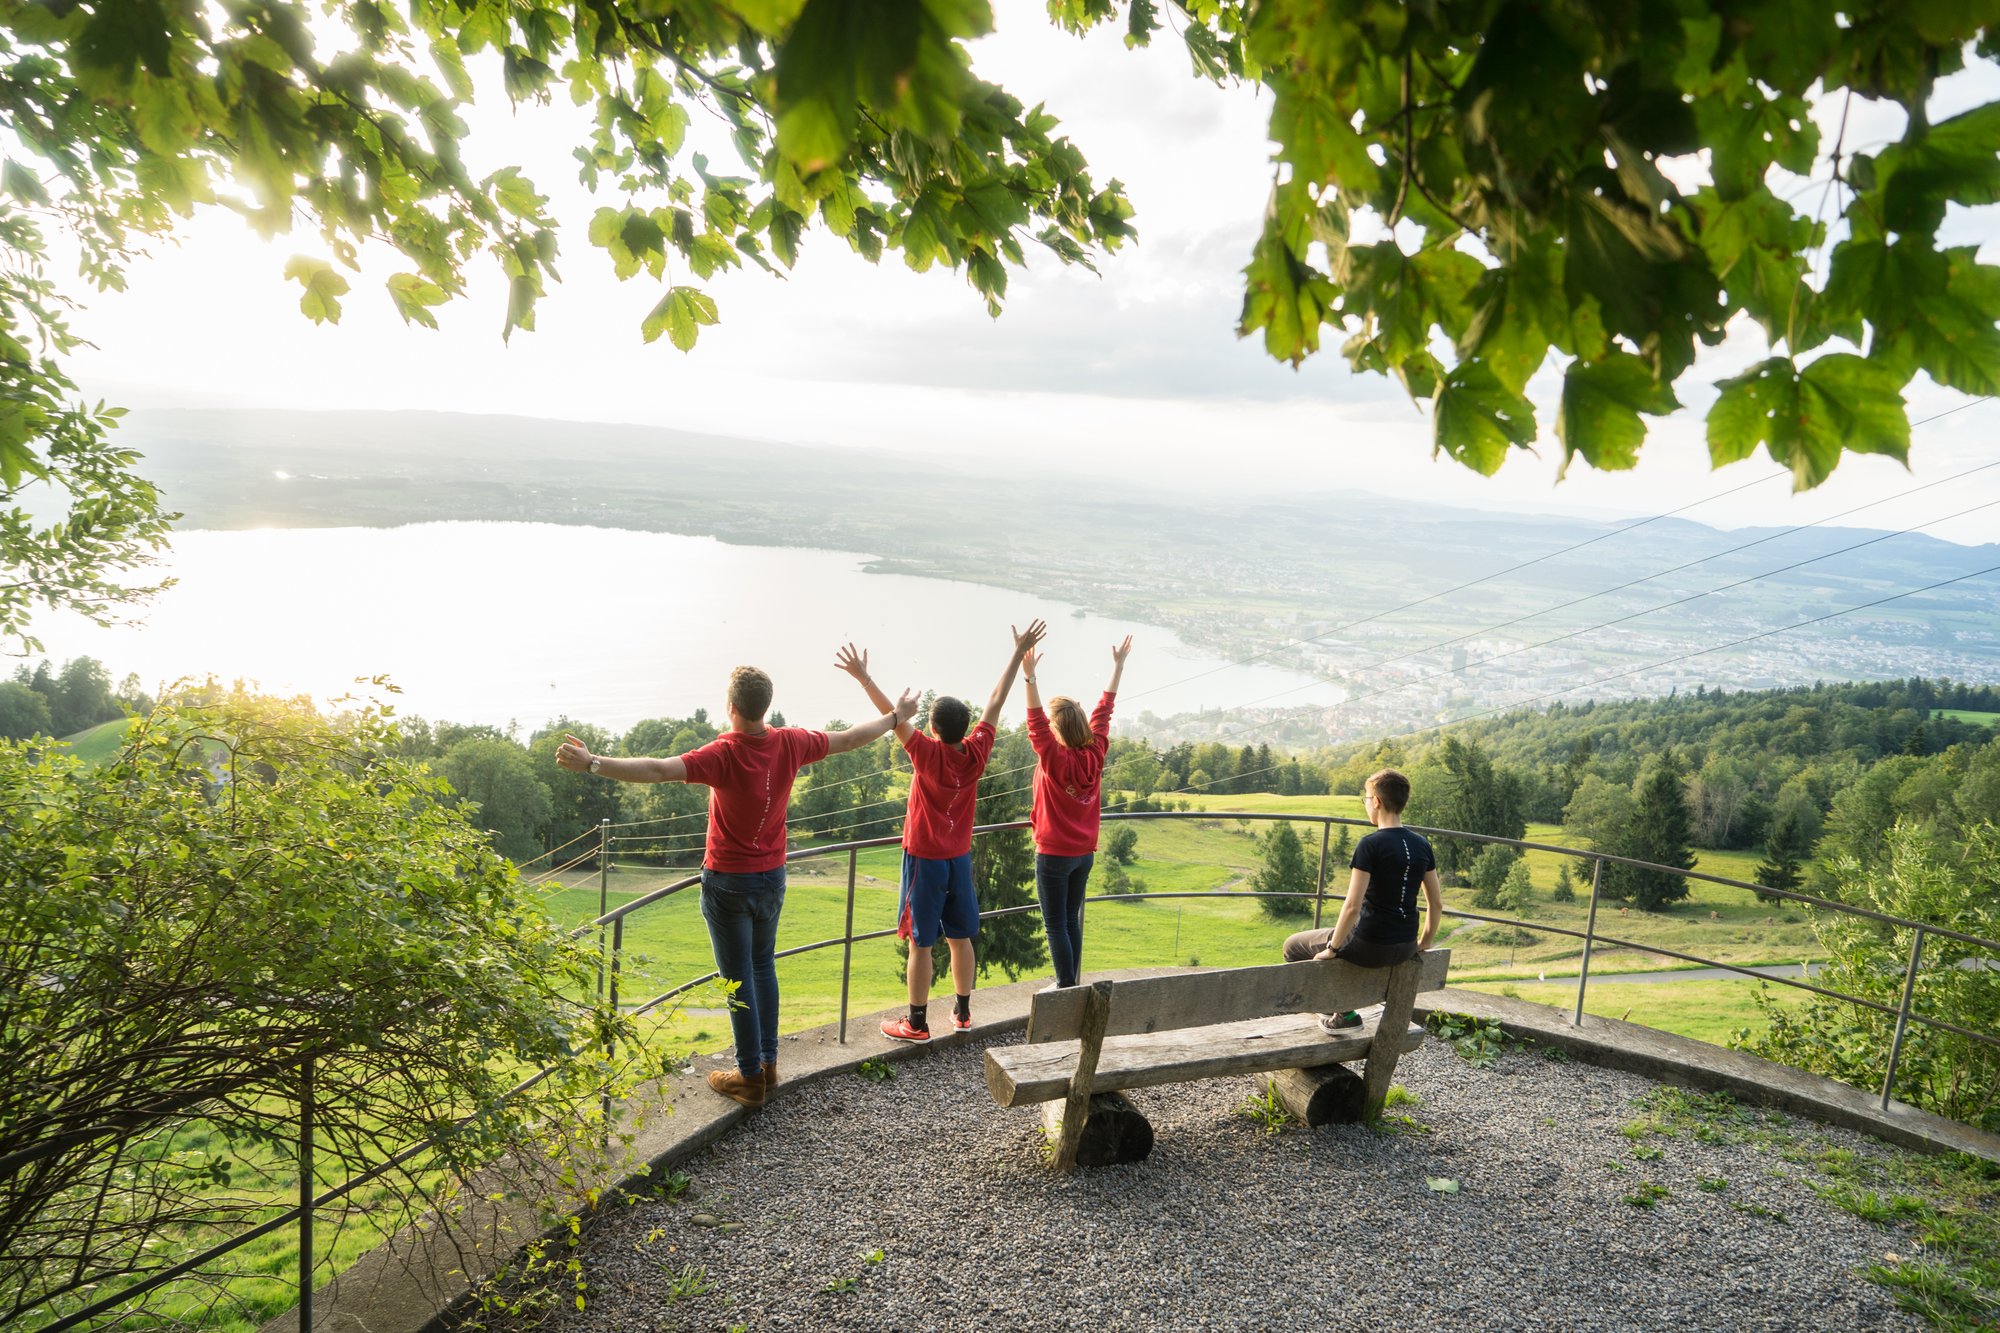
<point x="1228" y="1227"/>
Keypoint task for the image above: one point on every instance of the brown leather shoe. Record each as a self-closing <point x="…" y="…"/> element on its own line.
<point x="747" y="1091"/>
<point x="768" y="1075"/>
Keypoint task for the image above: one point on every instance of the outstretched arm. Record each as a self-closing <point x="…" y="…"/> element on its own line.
<point x="575" y="756"/>
<point x="1030" y="659"/>
<point x="1023" y="641"/>
<point x="855" y="664"/>
<point x="840" y="742"/>
<point x="1119" y="652"/>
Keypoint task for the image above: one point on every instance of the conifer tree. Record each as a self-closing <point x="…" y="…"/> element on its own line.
<point x="1662" y="833"/>
<point x="1565" y="890"/>
<point x="1284" y="870"/>
<point x="1785" y="851"/>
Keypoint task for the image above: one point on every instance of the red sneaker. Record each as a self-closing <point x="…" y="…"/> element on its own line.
<point x="899" y="1029"/>
<point x="961" y="1024"/>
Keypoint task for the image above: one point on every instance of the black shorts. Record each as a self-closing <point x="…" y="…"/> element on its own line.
<point x="1367" y="953"/>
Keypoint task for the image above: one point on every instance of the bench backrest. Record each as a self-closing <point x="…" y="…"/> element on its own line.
<point x="1227" y="995"/>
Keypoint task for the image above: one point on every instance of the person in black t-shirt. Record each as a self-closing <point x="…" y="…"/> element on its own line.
<point x="1378" y="924"/>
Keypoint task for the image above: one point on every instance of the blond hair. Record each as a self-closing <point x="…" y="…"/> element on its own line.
<point x="1072" y="728"/>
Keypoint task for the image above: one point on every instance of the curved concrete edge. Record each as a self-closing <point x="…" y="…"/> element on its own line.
<point x="1751" y="1078"/>
<point x="414" y="1282"/>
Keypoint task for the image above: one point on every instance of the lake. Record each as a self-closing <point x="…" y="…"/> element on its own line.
<point x="523" y="622"/>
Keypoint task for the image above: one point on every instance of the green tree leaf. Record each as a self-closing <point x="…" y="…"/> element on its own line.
<point x="681" y="314"/>
<point x="1805" y="419"/>
<point x="323" y="288"/>
<point x="1476" y="419"/>
<point x="1601" y="403"/>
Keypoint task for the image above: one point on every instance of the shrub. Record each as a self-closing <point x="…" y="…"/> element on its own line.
<point x="243" y="887"/>
<point x="1489" y="873"/>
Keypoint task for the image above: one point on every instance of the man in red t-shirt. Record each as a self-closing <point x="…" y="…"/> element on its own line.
<point x="748" y="771"/>
<point x="938" y="893"/>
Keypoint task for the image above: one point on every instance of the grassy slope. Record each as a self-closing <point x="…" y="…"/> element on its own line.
<point x="1967" y="715"/>
<point x="94" y="745"/>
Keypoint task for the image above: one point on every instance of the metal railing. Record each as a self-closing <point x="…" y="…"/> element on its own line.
<point x="610" y="927"/>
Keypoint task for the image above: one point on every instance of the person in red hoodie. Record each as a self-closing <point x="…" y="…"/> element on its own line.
<point x="1068" y="779"/>
<point x="938" y="893"/>
<point x="748" y="770"/>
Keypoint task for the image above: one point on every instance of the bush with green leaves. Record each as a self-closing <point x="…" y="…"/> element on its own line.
<point x="1517" y="891"/>
<point x="244" y="887"/>
<point x="1489" y="873"/>
<point x="1121" y="844"/>
<point x="1924" y="879"/>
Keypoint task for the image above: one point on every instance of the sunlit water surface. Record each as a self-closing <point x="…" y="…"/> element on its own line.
<point x="523" y="622"/>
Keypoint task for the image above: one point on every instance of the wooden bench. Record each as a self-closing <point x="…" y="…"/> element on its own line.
<point x="1087" y="1045"/>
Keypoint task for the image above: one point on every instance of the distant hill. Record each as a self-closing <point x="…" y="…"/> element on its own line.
<point x="1355" y="587"/>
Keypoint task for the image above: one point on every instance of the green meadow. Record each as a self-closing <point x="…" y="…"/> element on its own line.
<point x="667" y="943"/>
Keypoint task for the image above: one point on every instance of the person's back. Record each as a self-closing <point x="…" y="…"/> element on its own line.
<point x="749" y="777"/>
<point x="749" y="771"/>
<point x="1378" y="924"/>
<point x="1069" y="780"/>
<point x="944" y="791"/>
<point x="1396" y="861"/>
<point x="938" y="896"/>
<point x="1069" y="774"/>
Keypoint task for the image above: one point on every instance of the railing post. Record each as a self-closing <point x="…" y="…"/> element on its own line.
<point x="306" y="1195"/>
<point x="1319" y="886"/>
<point x="1903" y="1015"/>
<point x="610" y="1040"/>
<point x="847" y="946"/>
<point x="603" y="894"/>
<point x="1589" y="938"/>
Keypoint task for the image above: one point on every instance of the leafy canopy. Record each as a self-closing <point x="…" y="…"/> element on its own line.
<point x="1462" y="190"/>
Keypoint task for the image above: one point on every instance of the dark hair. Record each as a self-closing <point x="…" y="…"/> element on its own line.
<point x="1392" y="789"/>
<point x="749" y="693"/>
<point x="949" y="718"/>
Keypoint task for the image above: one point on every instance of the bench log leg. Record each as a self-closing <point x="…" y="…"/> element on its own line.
<point x="1322" y="1095"/>
<point x="1076" y="1107"/>
<point x="1114" y="1132"/>
<point x="1382" y="1055"/>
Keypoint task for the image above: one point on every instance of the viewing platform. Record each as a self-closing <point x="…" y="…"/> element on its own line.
<point x="1590" y="1178"/>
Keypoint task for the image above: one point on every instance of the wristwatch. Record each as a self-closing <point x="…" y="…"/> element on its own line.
<point x="594" y="764"/>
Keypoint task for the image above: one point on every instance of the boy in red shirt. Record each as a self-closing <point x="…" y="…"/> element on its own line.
<point x="748" y="771"/>
<point x="938" y="893"/>
<point x="1069" y="778"/>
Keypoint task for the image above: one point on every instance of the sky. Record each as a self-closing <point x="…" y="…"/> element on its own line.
<point x="1136" y="372"/>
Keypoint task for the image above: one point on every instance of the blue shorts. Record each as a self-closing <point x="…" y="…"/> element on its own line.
<point x="938" y="897"/>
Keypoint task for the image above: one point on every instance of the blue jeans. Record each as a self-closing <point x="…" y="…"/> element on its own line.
<point x="1059" y="885"/>
<point x="742" y="915"/>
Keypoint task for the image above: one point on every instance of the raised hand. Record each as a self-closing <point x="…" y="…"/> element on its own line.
<point x="906" y="707"/>
<point x="1119" y="651"/>
<point x="573" y="754"/>
<point x="853" y="662"/>
<point x="1028" y="638"/>
<point x="1030" y="659"/>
